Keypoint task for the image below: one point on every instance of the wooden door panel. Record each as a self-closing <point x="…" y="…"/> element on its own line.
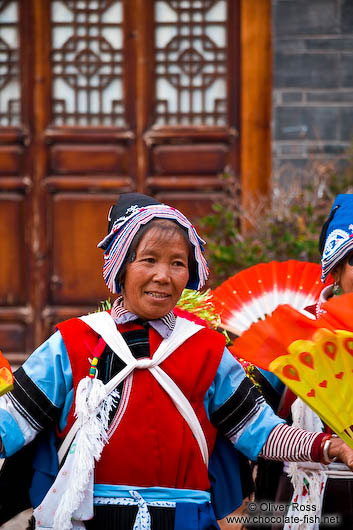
<point x="11" y="158"/>
<point x="90" y="159"/>
<point x="13" y="249"/>
<point x="13" y="340"/>
<point x="16" y="220"/>
<point x="194" y="159"/>
<point x="79" y="222"/>
<point x="15" y="313"/>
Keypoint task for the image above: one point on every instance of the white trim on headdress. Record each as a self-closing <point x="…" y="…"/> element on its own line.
<point x="338" y="234"/>
<point x="337" y="246"/>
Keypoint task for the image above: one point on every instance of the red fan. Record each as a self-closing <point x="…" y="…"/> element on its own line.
<point x="254" y="293"/>
<point x="266" y="340"/>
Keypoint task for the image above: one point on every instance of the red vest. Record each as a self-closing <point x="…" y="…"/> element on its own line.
<point x="153" y="445"/>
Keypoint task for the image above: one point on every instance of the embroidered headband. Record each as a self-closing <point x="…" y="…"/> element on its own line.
<point x="336" y="239"/>
<point x="132" y="211"/>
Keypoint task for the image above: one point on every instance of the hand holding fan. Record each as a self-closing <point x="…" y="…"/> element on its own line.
<point x="317" y="366"/>
<point x="254" y="293"/>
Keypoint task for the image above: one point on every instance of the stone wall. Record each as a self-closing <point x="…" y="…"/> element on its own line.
<point x="312" y="83"/>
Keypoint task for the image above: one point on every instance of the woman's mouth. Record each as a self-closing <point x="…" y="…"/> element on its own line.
<point x="157" y="295"/>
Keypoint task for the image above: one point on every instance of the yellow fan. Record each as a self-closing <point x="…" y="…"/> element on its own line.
<point x="319" y="371"/>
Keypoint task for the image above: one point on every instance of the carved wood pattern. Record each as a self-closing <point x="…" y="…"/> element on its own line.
<point x="191" y="62"/>
<point x="87" y="68"/>
<point x="10" y="106"/>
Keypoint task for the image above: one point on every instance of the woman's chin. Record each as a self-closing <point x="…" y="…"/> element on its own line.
<point x="155" y="310"/>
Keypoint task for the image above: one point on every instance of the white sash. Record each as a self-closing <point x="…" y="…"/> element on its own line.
<point x="103" y="324"/>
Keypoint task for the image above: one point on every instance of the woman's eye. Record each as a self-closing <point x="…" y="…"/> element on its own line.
<point x="149" y="260"/>
<point x="179" y="264"/>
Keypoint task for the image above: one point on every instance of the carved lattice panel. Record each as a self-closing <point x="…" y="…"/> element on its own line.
<point x="10" y="107"/>
<point x="191" y="59"/>
<point x="87" y="62"/>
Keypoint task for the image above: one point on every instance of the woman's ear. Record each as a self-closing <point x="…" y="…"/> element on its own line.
<point x="336" y="274"/>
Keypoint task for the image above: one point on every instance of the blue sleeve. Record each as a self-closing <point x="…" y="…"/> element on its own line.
<point x="229" y="375"/>
<point x="235" y="406"/>
<point x="276" y="383"/>
<point x="49" y="369"/>
<point x="10" y="434"/>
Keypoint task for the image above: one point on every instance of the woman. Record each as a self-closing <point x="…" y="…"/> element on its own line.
<point x="159" y="389"/>
<point x="331" y="489"/>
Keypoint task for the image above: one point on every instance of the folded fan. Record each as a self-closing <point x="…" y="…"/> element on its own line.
<point x="254" y="293"/>
<point x="313" y="358"/>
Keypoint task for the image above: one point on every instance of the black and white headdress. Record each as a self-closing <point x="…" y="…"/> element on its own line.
<point x="336" y="239"/>
<point x="132" y="211"/>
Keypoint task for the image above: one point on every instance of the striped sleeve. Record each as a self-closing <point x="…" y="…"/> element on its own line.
<point x="30" y="402"/>
<point x="42" y="393"/>
<point x="289" y="444"/>
<point x="238" y="409"/>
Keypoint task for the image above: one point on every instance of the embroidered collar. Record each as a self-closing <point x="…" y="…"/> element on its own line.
<point x="164" y="326"/>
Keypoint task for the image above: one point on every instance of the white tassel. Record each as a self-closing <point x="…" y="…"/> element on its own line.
<point x="92" y="412"/>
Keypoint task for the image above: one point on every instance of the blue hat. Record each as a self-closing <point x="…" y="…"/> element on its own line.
<point x="336" y="239"/>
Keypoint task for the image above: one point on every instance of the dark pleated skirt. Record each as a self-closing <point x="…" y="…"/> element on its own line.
<point x="114" y="517"/>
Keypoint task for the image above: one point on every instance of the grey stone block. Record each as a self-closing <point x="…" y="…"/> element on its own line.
<point x="298" y="149"/>
<point x="306" y="70"/>
<point x="327" y="149"/>
<point x="314" y="123"/>
<point x="303" y="17"/>
<point x="347" y="69"/>
<point x="346" y="124"/>
<point x="332" y="96"/>
<point x="347" y="16"/>
<point x="292" y="97"/>
<point x="283" y="44"/>
<point x="336" y="44"/>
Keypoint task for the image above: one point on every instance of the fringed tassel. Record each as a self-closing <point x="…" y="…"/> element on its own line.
<point x="92" y="412"/>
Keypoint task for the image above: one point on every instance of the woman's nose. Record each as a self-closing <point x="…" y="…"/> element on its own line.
<point x="161" y="273"/>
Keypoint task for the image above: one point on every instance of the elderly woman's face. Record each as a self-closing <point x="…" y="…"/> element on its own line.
<point x="343" y="274"/>
<point x="156" y="278"/>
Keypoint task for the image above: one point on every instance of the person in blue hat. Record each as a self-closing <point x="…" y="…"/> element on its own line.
<point x="332" y="486"/>
<point x="336" y="246"/>
<point x="138" y="395"/>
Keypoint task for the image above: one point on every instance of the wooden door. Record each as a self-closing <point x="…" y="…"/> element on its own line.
<point x="99" y="98"/>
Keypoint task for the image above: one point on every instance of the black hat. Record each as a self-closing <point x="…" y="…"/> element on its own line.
<point x="126" y="204"/>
